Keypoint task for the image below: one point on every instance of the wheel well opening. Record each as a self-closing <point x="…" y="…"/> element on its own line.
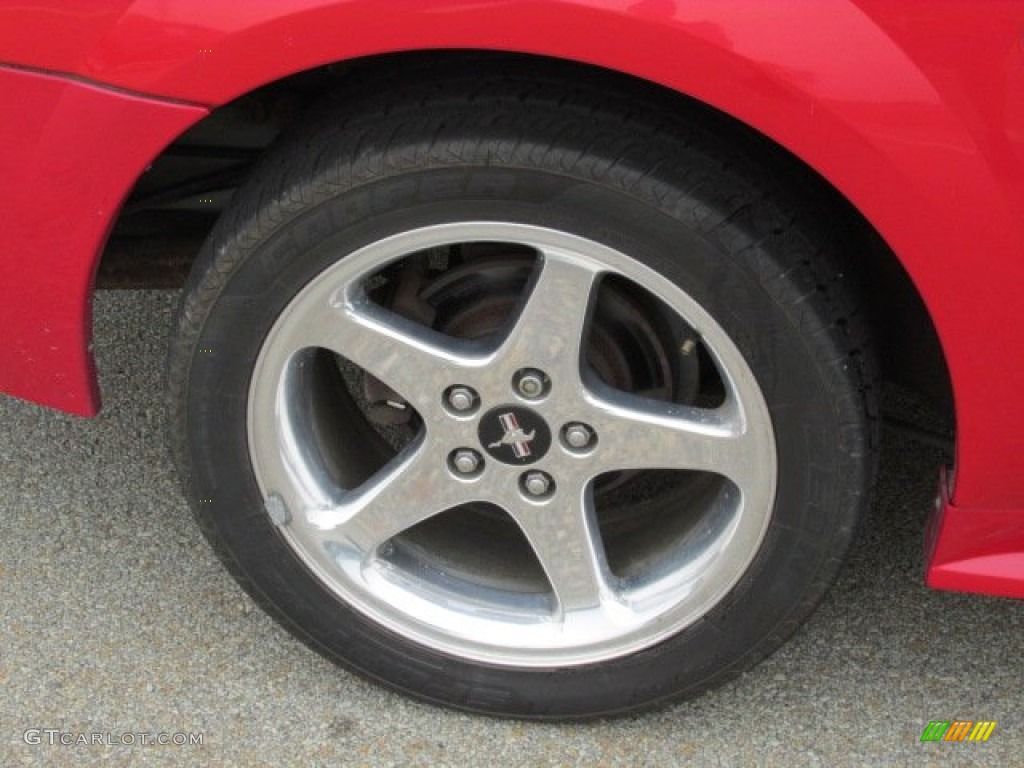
<point x="175" y="204"/>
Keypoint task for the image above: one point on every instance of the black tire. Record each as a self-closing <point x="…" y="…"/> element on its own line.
<point x="537" y="152"/>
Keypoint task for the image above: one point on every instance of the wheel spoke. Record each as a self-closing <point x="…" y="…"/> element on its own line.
<point x="638" y="434"/>
<point x="551" y="325"/>
<point x="407" y="491"/>
<point x="567" y="544"/>
<point x="408" y="357"/>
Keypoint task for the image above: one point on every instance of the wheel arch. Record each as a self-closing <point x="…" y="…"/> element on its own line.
<point x="913" y="357"/>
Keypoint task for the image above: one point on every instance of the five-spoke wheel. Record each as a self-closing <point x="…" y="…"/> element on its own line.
<point x="514" y="421"/>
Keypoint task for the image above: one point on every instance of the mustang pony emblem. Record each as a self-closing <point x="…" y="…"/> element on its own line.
<point x="514" y="436"/>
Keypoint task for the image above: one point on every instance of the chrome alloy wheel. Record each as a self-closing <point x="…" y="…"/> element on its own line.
<point x="516" y="424"/>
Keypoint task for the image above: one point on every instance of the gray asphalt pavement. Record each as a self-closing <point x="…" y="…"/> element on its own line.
<point x="119" y="621"/>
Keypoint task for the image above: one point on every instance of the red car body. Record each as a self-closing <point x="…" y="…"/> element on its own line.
<point x="913" y="112"/>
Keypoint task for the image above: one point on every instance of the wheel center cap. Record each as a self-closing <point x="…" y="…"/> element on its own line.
<point x="514" y="435"/>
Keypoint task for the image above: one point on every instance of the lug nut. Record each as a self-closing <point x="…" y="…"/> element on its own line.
<point x="537" y="483"/>
<point x="578" y="436"/>
<point x="461" y="399"/>
<point x="531" y="383"/>
<point x="466" y="461"/>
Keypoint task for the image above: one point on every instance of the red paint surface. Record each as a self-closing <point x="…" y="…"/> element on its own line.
<point x="975" y="550"/>
<point x="914" y="111"/>
<point x="70" y="155"/>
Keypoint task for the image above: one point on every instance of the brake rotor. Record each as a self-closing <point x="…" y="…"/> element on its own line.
<point x="631" y="346"/>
